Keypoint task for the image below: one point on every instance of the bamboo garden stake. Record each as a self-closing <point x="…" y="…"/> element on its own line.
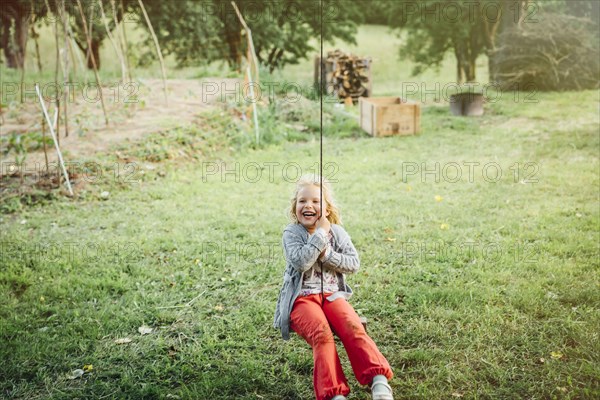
<point x="66" y="73"/>
<point x="124" y="33"/>
<point x="89" y="41"/>
<point x="50" y="125"/>
<point x="160" y="57"/>
<point x="112" y="41"/>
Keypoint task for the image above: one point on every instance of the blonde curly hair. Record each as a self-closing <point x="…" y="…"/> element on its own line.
<point x="334" y="216"/>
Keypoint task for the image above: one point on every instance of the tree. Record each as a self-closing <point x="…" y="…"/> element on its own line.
<point x="95" y="25"/>
<point x="15" y="19"/>
<point x="468" y="28"/>
<point x="188" y="30"/>
<point x="285" y="39"/>
<point x="202" y="32"/>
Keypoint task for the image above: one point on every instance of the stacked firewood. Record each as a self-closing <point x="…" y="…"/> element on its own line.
<point x="347" y="75"/>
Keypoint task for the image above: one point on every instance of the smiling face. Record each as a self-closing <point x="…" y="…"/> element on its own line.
<point x="308" y="207"/>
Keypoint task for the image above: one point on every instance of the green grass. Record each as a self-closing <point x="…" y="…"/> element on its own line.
<point x="490" y="293"/>
<point x="475" y="320"/>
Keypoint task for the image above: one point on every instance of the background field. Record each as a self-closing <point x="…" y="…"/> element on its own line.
<point x="482" y="288"/>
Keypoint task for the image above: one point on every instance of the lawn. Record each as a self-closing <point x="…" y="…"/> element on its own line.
<point x="479" y="275"/>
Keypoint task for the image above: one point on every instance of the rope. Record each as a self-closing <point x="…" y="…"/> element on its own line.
<point x="321" y="137"/>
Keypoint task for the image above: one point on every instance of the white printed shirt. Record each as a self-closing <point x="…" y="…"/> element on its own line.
<point x="311" y="280"/>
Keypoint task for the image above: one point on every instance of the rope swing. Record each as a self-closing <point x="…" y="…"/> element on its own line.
<point x="321" y="135"/>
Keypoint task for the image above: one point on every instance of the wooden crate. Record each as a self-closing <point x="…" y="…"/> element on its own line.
<point x="386" y="116"/>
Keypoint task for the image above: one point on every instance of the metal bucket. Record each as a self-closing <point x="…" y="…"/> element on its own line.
<point x="469" y="104"/>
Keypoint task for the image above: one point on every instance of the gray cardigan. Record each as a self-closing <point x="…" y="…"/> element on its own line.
<point x="301" y="253"/>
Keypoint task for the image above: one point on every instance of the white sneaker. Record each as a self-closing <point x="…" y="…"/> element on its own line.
<point x="339" y="397"/>
<point x="380" y="390"/>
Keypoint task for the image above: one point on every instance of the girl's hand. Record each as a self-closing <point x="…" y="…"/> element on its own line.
<point x="324" y="223"/>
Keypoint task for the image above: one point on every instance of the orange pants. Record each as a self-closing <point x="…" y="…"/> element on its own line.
<point x="317" y="325"/>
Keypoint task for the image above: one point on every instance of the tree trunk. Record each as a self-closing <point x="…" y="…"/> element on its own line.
<point x="471" y="71"/>
<point x="35" y="37"/>
<point x="492" y="66"/>
<point x="9" y="52"/>
<point x="460" y="61"/>
<point x="15" y="46"/>
<point x="276" y="60"/>
<point x="96" y="53"/>
<point x="21" y="35"/>
<point x="234" y="39"/>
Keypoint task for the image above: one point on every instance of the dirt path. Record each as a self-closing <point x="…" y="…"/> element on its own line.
<point x="133" y="111"/>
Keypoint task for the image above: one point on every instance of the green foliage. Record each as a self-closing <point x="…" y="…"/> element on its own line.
<point x="95" y="23"/>
<point x="20" y="144"/>
<point x="202" y="32"/>
<point x="375" y="12"/>
<point x="15" y="19"/>
<point x="434" y="27"/>
<point x="469" y="29"/>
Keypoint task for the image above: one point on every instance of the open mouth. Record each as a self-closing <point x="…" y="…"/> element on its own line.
<point x="309" y="214"/>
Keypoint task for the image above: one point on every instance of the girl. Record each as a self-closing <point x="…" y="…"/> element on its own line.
<point x="313" y="299"/>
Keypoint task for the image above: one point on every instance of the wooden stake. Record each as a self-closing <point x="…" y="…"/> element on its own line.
<point x="124" y="32"/>
<point x="66" y="74"/>
<point x="75" y="50"/>
<point x="22" y="77"/>
<point x="57" y="60"/>
<point x="119" y="35"/>
<point x="160" y="57"/>
<point x="89" y="41"/>
<point x="252" y="61"/>
<point x="56" y="119"/>
<point x="91" y="28"/>
<point x="35" y="36"/>
<point x="44" y="142"/>
<point x="254" y="110"/>
<point x="112" y="41"/>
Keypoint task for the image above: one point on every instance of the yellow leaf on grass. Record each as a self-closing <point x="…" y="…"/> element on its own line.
<point x="438" y="198"/>
<point x="389" y="239"/>
<point x="123" y="341"/>
<point x="556" y="355"/>
<point x="444" y="227"/>
<point x="88" y="368"/>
